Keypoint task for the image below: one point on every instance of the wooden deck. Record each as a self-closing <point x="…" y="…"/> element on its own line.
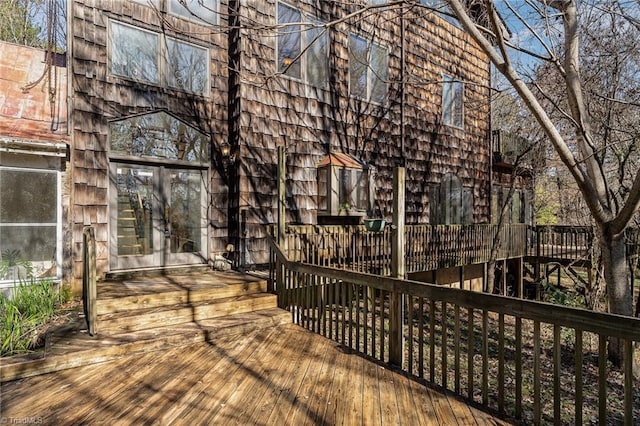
<point x="279" y="375"/>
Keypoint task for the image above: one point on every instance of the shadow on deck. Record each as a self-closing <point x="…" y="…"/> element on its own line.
<point x="279" y="375"/>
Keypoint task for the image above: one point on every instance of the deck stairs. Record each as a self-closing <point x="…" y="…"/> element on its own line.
<point x="141" y="313"/>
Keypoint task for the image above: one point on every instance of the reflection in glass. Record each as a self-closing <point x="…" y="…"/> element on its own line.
<point x="203" y="10"/>
<point x="158" y="135"/>
<point x="289" y="41"/>
<point x="358" y="64"/>
<point x="187" y="67"/>
<point x="379" y="67"/>
<point x="317" y="56"/>
<point x="135" y="210"/>
<point x="185" y="212"/>
<point x="134" y="53"/>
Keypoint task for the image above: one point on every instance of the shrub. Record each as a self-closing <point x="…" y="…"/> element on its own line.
<point x="32" y="304"/>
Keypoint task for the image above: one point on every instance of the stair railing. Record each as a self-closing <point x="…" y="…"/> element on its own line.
<point x="89" y="290"/>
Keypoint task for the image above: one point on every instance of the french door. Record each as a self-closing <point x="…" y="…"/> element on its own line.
<point x="157" y="216"/>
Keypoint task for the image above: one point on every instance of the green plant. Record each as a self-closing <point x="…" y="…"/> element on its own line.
<point x="31" y="305"/>
<point x="11" y="258"/>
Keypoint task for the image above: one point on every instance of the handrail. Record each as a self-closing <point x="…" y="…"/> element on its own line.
<point x="457" y="339"/>
<point x="89" y="290"/>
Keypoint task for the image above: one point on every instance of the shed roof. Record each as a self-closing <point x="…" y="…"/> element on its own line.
<point x="341" y="160"/>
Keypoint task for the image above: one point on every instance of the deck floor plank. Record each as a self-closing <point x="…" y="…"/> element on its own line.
<point x="282" y="375"/>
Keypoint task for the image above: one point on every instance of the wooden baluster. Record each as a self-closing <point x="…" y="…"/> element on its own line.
<point x="409" y="299"/>
<point x="432" y="340"/>
<point x="579" y="400"/>
<point x="443" y="353"/>
<point x="421" y="337"/>
<point x="456" y="345"/>
<point x="470" y="352"/>
<point x="537" y="409"/>
<point x="628" y="382"/>
<point x="557" y="364"/>
<point x="602" y="379"/>
<point x="518" y="367"/>
<point x="485" y="357"/>
<point x="501" y="363"/>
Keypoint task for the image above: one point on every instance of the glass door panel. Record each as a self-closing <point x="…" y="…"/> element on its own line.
<point x="186" y="218"/>
<point x="135" y="189"/>
<point x="157" y="216"/>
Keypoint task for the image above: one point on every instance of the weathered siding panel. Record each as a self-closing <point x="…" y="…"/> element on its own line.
<point x="100" y="97"/>
<point x="280" y="111"/>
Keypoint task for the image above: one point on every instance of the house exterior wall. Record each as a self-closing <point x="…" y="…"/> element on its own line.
<point x="100" y="97"/>
<point x="277" y="110"/>
<point x="256" y="111"/>
<point x="33" y="163"/>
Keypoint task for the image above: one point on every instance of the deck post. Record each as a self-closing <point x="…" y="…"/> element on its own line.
<point x="282" y="213"/>
<point x="397" y="267"/>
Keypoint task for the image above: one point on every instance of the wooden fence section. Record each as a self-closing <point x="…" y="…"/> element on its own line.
<point x="569" y="243"/>
<point x="537" y="362"/>
<point x="427" y="247"/>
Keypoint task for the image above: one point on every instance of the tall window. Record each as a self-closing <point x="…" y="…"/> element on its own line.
<point x="139" y="55"/>
<point x="368" y="69"/>
<point x="452" y="102"/>
<point x="302" y="50"/>
<point x="450" y="203"/>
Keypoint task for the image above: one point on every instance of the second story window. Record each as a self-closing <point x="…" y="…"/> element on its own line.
<point x="201" y="10"/>
<point x="144" y="56"/>
<point x="452" y="102"/>
<point x="134" y="53"/>
<point x="368" y="70"/>
<point x="302" y="51"/>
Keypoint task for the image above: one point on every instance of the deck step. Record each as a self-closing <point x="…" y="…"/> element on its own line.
<point x="245" y="322"/>
<point x="83" y="349"/>
<point x="136" y="302"/>
<point x="142" y="319"/>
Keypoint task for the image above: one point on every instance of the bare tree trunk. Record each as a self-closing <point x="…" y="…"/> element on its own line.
<point x="618" y="290"/>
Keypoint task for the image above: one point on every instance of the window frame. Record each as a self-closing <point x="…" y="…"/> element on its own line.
<point x="57" y="223"/>
<point x="452" y="102"/>
<point x="307" y="24"/>
<point x="162" y="59"/>
<point x="372" y="75"/>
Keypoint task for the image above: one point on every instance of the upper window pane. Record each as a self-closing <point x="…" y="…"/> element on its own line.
<point x="158" y="135"/>
<point x="379" y="73"/>
<point x="203" y="10"/>
<point x="452" y="102"/>
<point x="289" y="41"/>
<point x="134" y="53"/>
<point x="368" y="70"/>
<point x="358" y="64"/>
<point x="188" y="67"/>
<point x="317" y="56"/>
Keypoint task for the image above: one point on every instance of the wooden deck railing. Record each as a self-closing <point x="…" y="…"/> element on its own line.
<point x="534" y="361"/>
<point x="427" y="247"/>
<point x="89" y="290"/>
<point x="573" y="243"/>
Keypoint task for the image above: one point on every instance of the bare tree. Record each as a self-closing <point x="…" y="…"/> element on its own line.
<point x="578" y="142"/>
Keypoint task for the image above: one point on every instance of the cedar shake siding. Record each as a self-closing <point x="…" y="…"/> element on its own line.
<point x="100" y="97"/>
<point x="278" y="110"/>
<point x="259" y="98"/>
